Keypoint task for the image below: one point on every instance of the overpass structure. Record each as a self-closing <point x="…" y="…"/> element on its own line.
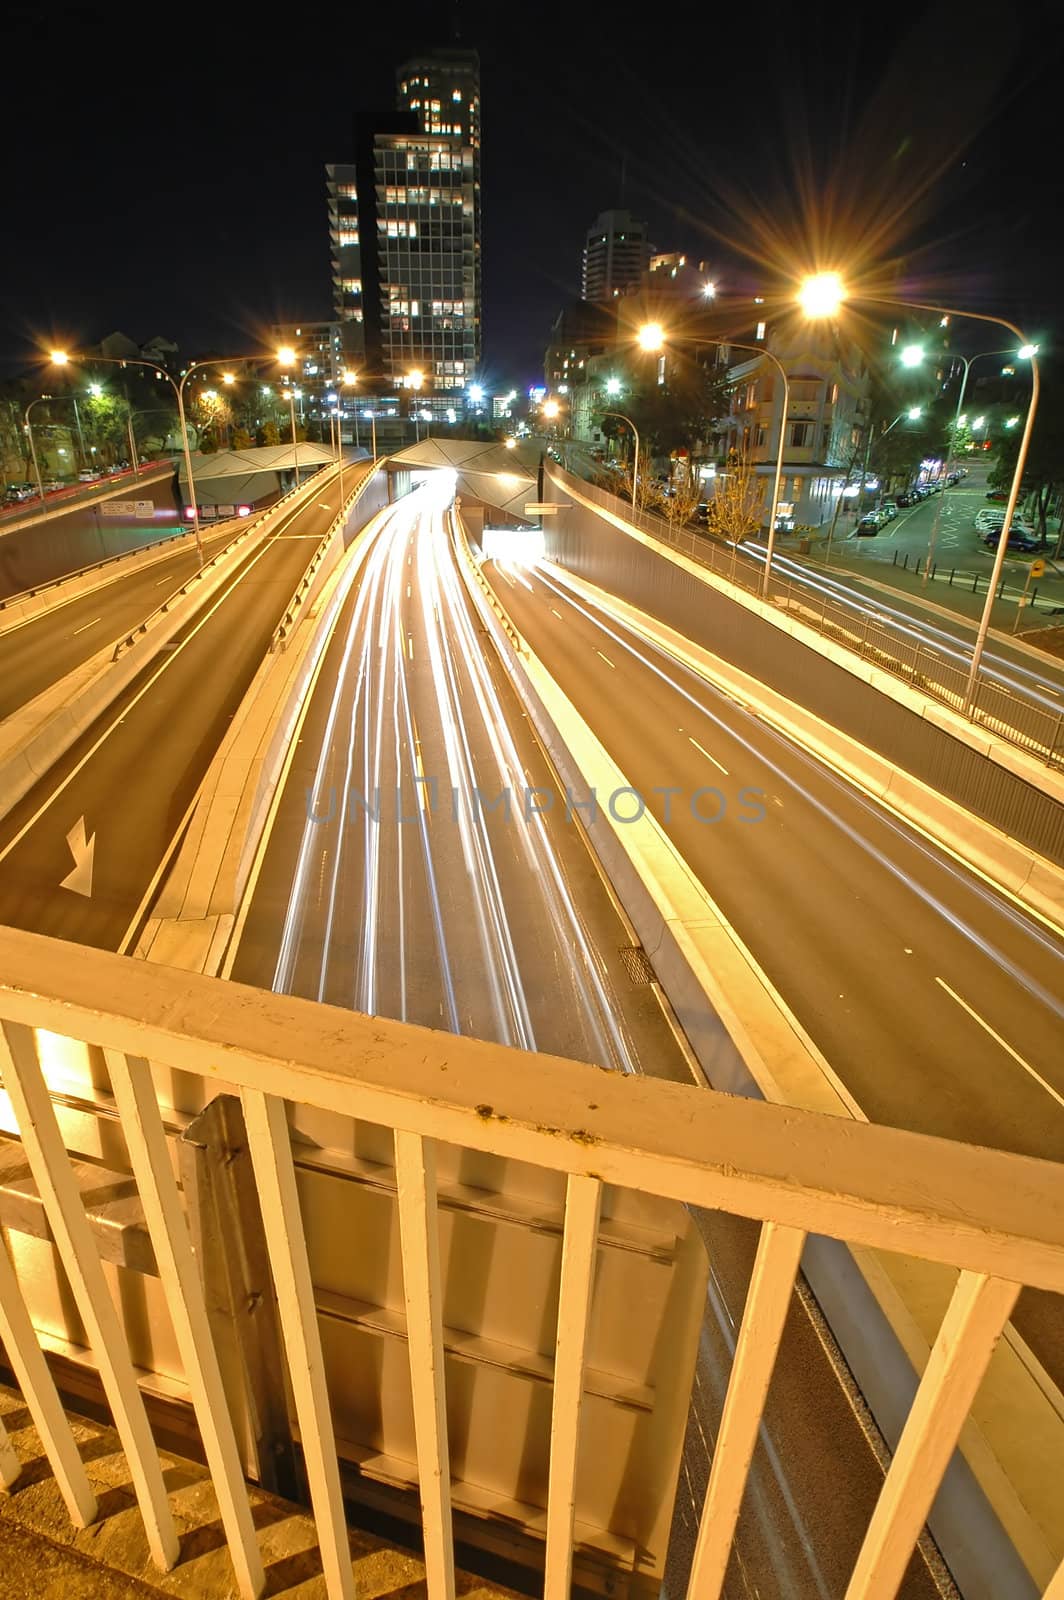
<point x="473" y="1258"/>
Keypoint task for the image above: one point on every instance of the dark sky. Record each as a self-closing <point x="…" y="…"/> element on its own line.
<point x="163" y="166"/>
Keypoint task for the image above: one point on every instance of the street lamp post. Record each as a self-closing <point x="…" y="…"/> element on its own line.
<point x="912" y="356"/>
<point x="33" y="447"/>
<point x="821" y="296"/>
<point x="635" y="463"/>
<point x="652" y="337"/>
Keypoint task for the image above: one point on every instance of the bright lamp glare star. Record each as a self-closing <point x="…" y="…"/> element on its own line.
<point x="59" y="358"/>
<point x="822" y="294"/>
<point x="613" y="386"/>
<point x="1026" y="351"/>
<point x="651" y="336"/>
<point x="914" y="413"/>
<point x="912" y="355"/>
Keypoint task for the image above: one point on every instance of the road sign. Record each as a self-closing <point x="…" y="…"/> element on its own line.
<point x="127" y="508"/>
<point x="1038" y="568"/>
<point x="545" y="508"/>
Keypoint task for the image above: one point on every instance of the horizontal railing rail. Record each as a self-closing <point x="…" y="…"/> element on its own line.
<point x="997" y="1218"/>
<point x="1007" y="712"/>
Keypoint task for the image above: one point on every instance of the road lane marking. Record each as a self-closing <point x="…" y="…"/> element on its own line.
<point x="557" y="614"/>
<point x="83" y="849"/>
<point x="707" y="755"/>
<point x="410" y="645"/>
<point x="1026" y="1065"/>
<point x="606" y="659"/>
<point x="86" y="625"/>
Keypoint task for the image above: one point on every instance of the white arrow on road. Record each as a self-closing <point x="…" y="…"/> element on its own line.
<point x="79" y="881"/>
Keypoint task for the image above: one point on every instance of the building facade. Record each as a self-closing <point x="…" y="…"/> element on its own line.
<point x="405" y="231"/>
<point x="616" y="255"/>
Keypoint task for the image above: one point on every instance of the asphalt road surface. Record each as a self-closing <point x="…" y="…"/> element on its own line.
<point x="109" y="811"/>
<point x="38" y="652"/>
<point x="461" y="919"/>
<point x="938" y="1001"/>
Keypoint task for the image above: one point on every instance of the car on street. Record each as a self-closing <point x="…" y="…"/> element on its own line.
<point x="868" y="525"/>
<point x="784" y="524"/>
<point x="997" y="494"/>
<point x="16" y="492"/>
<point x="888" y="509"/>
<point x="1021" y="537"/>
<point x="906" y="499"/>
<point x="89" y="474"/>
<point x="988" y="519"/>
<point x="50" y="485"/>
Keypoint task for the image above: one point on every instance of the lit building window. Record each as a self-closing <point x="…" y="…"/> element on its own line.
<point x="760" y="334"/>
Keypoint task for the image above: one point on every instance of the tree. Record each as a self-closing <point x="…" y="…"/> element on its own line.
<point x="681" y="505"/>
<point x="736" y="508"/>
<point x="270" y="433"/>
<point x="240" y="439"/>
<point x="1043" y="473"/>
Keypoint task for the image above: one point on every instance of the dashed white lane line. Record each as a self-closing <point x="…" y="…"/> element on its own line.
<point x="557" y="614"/>
<point x="1026" y="1065"/>
<point x="606" y="659"/>
<point x="85" y="625"/>
<point x="705" y="752"/>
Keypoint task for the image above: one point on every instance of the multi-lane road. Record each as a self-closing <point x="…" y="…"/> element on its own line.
<point x="937" y="1000"/>
<point x="110" y="809"/>
<point x="393" y="880"/>
<point x="37" y="652"/>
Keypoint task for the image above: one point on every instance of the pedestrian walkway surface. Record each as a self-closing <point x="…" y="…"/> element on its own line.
<point x="44" y="1557"/>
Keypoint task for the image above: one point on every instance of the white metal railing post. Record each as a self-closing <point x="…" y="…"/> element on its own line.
<point x="768" y="1297"/>
<point x="975" y="1317"/>
<point x="415" y="1172"/>
<point x="270" y="1145"/>
<point x="145" y="1136"/>
<point x="583" y="1198"/>
<point x="50" y="1166"/>
<point x="39" y="1392"/>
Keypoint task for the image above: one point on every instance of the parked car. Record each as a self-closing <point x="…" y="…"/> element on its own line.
<point x="16" y="492"/>
<point x="1021" y="537"/>
<point x="89" y="474"/>
<point x="784" y="524"/>
<point x="997" y="494"/>
<point x="50" y="485"/>
<point x="905" y="500"/>
<point x="888" y="509"/>
<point x="868" y="525"/>
<point x="988" y="519"/>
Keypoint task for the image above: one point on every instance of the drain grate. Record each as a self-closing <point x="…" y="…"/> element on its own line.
<point x="636" y="963"/>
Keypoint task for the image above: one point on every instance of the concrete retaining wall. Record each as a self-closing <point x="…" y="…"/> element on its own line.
<point x="53" y="543"/>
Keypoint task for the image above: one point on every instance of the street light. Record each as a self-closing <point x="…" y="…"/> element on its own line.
<point x="635" y="464"/>
<point x="651" y="336"/>
<point x="62" y="358"/>
<point x="287" y="358"/>
<point x="821" y="296"/>
<point x="912" y="355"/>
<point x="613" y="387"/>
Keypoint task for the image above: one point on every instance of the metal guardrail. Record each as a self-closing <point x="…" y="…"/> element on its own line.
<point x="129" y="639"/>
<point x="995" y="1217"/>
<point x="1004" y="711"/>
<point x="291" y="616"/>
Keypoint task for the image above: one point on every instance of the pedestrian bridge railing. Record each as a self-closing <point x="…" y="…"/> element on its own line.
<point x="996" y="1218"/>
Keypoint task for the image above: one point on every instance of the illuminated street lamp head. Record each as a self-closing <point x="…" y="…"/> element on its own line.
<point x="912" y="355"/>
<point x="979" y="422"/>
<point x="1026" y="351"/>
<point x="96" y="389"/>
<point x="348" y="377"/>
<point x="286" y="356"/>
<point x="914" y="413"/>
<point x="709" y="290"/>
<point x="613" y="386"/>
<point x="1012" y="422"/>
<point x="59" y="358"/>
<point x="822" y="294"/>
<point x="551" y="408"/>
<point x="266" y="389"/>
<point x="476" y="392"/>
<point x="651" y="336"/>
<point x="511" y="444"/>
<point x="415" y="379"/>
<point x="228" y="377"/>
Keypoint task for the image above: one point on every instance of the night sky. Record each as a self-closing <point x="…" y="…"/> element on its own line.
<point x="163" y="166"/>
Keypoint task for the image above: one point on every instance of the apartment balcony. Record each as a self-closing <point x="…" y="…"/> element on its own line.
<point x="567" y="1182"/>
